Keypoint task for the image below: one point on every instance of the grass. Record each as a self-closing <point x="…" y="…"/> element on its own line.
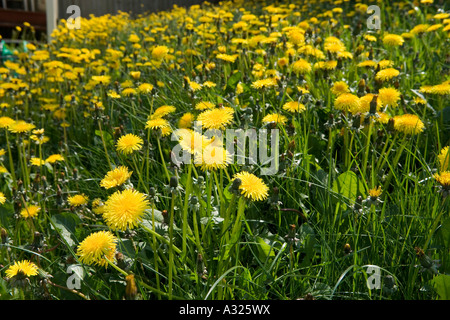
<point x="318" y="232"/>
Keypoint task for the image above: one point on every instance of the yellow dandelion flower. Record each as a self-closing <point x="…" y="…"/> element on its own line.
<point x="2" y="198"/>
<point x="135" y="74"/>
<point x="389" y="96"/>
<point x="347" y="102"/>
<point x="302" y="90"/>
<point x="420" y="28"/>
<point x="113" y="94"/>
<point x="441" y="16"/>
<point x="20" y="126"/>
<point x="192" y="141"/>
<point x="340" y="87"/>
<point x="204" y="105"/>
<point x="156" y="123"/>
<point x="275" y="118"/>
<point x="145" y="88"/>
<point x="434" y="27"/>
<point x="98" y="207"/>
<point x="264" y="83"/>
<point x="133" y="38"/>
<point x="97" y="248"/>
<point x="54" y="158"/>
<point x="301" y="66"/>
<point x="5" y="122"/>
<point x="443" y="179"/>
<point x="383" y="117"/>
<point x="78" y="200"/>
<point x="375" y="192"/>
<point x="22" y="268"/>
<point x="251" y="186"/>
<point x="383" y="64"/>
<point x="409" y="124"/>
<point x="393" y="40"/>
<point x="441" y="89"/>
<point x="239" y="88"/>
<point x="129" y="143"/>
<point x="116" y="177"/>
<point x="326" y="65"/>
<point x="103" y="80"/>
<point x="217" y="118"/>
<point x="227" y="57"/>
<point x="163" y="111"/>
<point x="209" y="84"/>
<point x="37" y="161"/>
<point x="186" y="120"/>
<point x="127" y="92"/>
<point x="296" y="36"/>
<point x="212" y="158"/>
<point x="165" y="131"/>
<point x="418" y="100"/>
<point x="334" y="47"/>
<point x="444" y="159"/>
<point x="159" y="52"/>
<point x="125" y="209"/>
<point x="194" y="86"/>
<point x="370" y="38"/>
<point x="367" y="63"/>
<point x="30" y="211"/>
<point x="294" y="106"/>
<point x="386" y="74"/>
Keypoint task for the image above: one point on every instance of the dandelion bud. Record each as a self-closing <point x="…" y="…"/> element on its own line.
<point x="235" y="186"/>
<point x="200" y="265"/>
<point x="347" y="249"/>
<point x="152" y="192"/>
<point x="361" y="86"/>
<point x="275" y="190"/>
<point x="173" y="183"/>
<point x="130" y="289"/>
<point x="356" y="121"/>
<point x="194" y="200"/>
<point x="165" y="215"/>
<point x="4" y="235"/>
<point x="373" y="105"/>
<point x="390" y="125"/>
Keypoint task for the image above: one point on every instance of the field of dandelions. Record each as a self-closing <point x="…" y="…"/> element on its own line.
<point x="93" y="207"/>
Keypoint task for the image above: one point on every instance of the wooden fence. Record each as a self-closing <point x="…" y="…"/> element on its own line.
<point x="101" y="7"/>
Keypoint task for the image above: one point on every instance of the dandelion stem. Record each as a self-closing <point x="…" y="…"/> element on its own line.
<point x="11" y="162"/>
<point x="171" y="219"/>
<point x="104" y="144"/>
<point x="160" y="238"/>
<point x="162" y="160"/>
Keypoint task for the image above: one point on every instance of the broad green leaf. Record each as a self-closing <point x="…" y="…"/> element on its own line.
<point x="265" y="250"/>
<point x="234" y="79"/>
<point x="444" y="232"/>
<point x="66" y="224"/>
<point x="226" y="192"/>
<point x="106" y="136"/>
<point x="348" y="185"/>
<point x="441" y="284"/>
